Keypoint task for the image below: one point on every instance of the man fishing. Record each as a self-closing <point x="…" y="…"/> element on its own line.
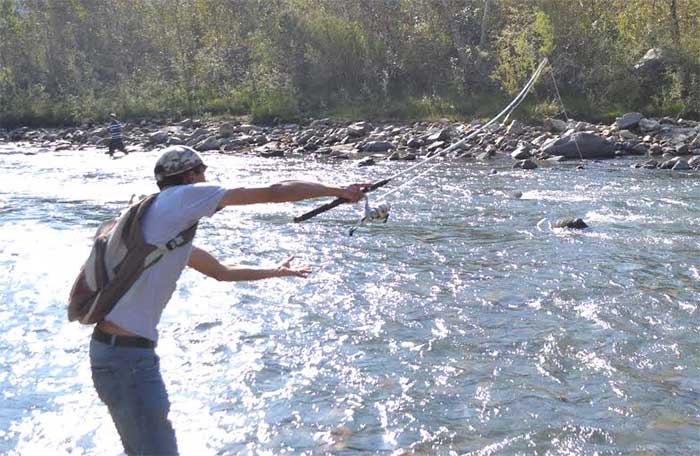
<point x="115" y="133"/>
<point x="125" y="367"/>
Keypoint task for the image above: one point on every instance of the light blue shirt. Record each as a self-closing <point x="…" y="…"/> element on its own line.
<point x="174" y="210"/>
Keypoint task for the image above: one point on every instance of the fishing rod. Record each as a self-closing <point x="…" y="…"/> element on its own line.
<point x="337" y="202"/>
<point x="382" y="211"/>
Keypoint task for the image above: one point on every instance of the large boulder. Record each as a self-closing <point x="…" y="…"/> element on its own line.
<point x="647" y="125"/>
<point x="359" y="129"/>
<point x="627" y="121"/>
<point x="579" y="145"/>
<point x="159" y="137"/>
<point x="210" y="143"/>
<point x="653" y="62"/>
<point x="651" y="71"/>
<point x="522" y="152"/>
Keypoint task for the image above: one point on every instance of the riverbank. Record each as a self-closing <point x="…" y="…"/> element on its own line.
<point x="659" y="143"/>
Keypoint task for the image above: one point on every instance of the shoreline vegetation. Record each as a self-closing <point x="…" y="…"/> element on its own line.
<point x="69" y="63"/>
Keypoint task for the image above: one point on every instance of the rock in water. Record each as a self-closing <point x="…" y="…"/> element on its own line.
<point x="573" y="223"/>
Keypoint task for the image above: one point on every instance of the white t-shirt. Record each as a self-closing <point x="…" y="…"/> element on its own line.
<point x="174" y="210"/>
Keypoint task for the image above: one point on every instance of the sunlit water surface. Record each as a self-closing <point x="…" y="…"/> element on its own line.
<point x="464" y="325"/>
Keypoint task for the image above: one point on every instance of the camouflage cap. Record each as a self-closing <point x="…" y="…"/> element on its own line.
<point x="176" y="160"/>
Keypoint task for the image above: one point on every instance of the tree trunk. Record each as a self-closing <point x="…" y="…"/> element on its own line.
<point x="485" y="23"/>
<point x="676" y="37"/>
<point x="457" y="40"/>
<point x="675" y="28"/>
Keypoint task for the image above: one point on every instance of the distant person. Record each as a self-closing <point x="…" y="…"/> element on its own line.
<point x="115" y="133"/>
<point x="125" y="367"/>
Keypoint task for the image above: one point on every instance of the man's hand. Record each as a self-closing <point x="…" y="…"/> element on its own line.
<point x="285" y="269"/>
<point x="353" y="193"/>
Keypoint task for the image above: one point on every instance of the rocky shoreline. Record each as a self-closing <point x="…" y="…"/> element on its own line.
<point x="659" y="143"/>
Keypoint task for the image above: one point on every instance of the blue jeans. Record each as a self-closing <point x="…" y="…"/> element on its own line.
<point x="128" y="381"/>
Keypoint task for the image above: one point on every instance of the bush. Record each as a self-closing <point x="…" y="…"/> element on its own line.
<point x="274" y="104"/>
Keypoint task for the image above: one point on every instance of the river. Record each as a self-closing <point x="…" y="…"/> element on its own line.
<point x="466" y="324"/>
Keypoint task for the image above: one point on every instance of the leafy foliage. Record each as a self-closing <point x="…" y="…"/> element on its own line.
<point x="72" y="61"/>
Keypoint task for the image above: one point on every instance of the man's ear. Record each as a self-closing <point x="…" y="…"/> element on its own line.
<point x="188" y="178"/>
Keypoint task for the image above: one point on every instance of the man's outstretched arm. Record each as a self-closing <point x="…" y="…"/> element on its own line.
<point x="289" y="191"/>
<point x="204" y="262"/>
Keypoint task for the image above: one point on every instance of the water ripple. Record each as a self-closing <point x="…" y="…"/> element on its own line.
<point x="464" y="325"/>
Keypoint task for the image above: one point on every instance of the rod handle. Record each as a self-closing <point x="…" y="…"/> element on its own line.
<point x="337" y="202"/>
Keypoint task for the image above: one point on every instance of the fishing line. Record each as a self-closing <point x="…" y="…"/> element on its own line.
<point x="382" y="211"/>
<point x="511" y="107"/>
<point x="563" y="108"/>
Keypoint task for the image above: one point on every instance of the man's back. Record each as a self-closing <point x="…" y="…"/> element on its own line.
<point x="115" y="129"/>
<point x="174" y="210"/>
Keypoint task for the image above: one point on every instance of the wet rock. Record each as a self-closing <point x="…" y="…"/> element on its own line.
<point x="414" y="143"/>
<point x="639" y="149"/>
<point x="432" y="147"/>
<point x="337" y="155"/>
<point x="524" y="164"/>
<point x="682" y="149"/>
<point x="271" y="153"/>
<point x="669" y="164"/>
<point x="369" y="161"/>
<point x="681" y="165"/>
<point x="522" y="152"/>
<point x="376" y="146"/>
<point x="556" y="159"/>
<point x="571" y="223"/>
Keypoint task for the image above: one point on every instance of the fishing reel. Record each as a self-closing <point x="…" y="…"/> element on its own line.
<point x="379" y="213"/>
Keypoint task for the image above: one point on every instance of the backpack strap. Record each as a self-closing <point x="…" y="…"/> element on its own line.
<point x="182" y="238"/>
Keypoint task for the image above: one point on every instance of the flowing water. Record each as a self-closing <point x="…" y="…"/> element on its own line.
<point x="464" y="325"/>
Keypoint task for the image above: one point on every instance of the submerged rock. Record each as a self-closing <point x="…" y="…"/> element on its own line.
<point x="572" y="223"/>
<point x="524" y="164"/>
